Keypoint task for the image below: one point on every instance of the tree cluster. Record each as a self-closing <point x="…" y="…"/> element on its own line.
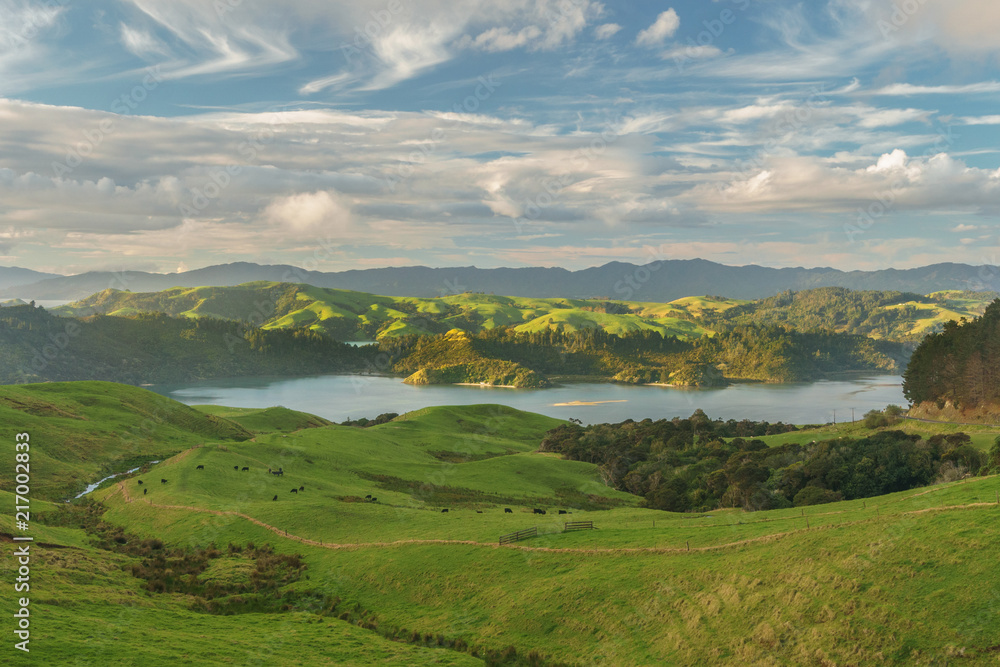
<point x="690" y="464"/>
<point x="960" y="365"/>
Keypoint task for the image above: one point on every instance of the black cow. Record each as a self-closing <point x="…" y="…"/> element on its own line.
<point x="443" y="511"/>
<point x="479" y="511"/>
<point x="163" y="481"/>
<point x="275" y="498"/>
<point x="295" y="490"/>
<point x="140" y="482"/>
<point x="199" y="467"/>
<point x="507" y="510"/>
<point x="368" y="497"/>
<point x="374" y="500"/>
<point x="245" y="469"/>
<point x="562" y="511"/>
<point x="538" y="511"/>
<point x="145" y="491"/>
<point x="236" y="468"/>
<point x="302" y="488"/>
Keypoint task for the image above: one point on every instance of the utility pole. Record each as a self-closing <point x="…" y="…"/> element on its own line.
<point x="852" y="415"/>
<point x="834" y="417"/>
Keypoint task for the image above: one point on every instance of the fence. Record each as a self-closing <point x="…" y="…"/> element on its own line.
<point x="578" y="525"/>
<point x="519" y="535"/>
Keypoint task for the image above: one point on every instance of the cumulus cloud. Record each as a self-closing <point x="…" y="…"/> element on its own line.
<point x="897" y="181"/>
<point x="665" y="26"/>
<point x="309" y="213"/>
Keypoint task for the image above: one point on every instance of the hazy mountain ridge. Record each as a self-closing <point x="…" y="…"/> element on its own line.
<point x="658" y="281"/>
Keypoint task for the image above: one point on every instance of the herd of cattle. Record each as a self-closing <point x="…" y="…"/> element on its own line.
<point x="369" y="497"/>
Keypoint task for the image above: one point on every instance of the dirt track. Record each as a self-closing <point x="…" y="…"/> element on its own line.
<point x="612" y="550"/>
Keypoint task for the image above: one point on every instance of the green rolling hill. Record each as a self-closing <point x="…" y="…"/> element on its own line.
<point x="908" y="578"/>
<point x="347" y="315"/>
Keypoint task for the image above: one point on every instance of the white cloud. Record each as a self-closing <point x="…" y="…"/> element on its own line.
<point x="606" y="30"/>
<point x="683" y="54"/>
<point x="540" y="25"/>
<point x="309" y="213"/>
<point x="665" y="26"/>
<point x="965" y="89"/>
<point x="981" y="120"/>
<point x="141" y="43"/>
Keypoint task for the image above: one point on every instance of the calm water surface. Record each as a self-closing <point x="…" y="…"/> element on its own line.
<point x="340" y="397"/>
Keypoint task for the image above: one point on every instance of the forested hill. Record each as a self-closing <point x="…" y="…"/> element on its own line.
<point x="140" y="348"/>
<point x="345" y="315"/>
<point x="36" y="346"/>
<point x="902" y="316"/>
<point x="767" y="354"/>
<point x="960" y="365"/>
<point x="349" y="315"/>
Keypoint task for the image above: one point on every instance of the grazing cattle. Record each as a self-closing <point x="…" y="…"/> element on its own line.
<point x="443" y="511"/>
<point x="562" y="511"/>
<point x="368" y="497"/>
<point x="276" y="472"/>
<point x="374" y="500"/>
<point x="236" y="468"/>
<point x="479" y="511"/>
<point x="275" y="498"/>
<point x="145" y="491"/>
<point x="163" y="481"/>
<point x="245" y="469"/>
<point x="302" y="488"/>
<point x="507" y="510"/>
<point x="199" y="467"/>
<point x="538" y="511"/>
<point x="295" y="490"/>
<point x="140" y="482"/>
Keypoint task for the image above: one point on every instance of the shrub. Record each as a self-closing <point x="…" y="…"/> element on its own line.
<point x="813" y="495"/>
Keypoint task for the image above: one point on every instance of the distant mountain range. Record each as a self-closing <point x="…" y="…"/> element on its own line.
<point x="12" y="276"/>
<point x="659" y="281"/>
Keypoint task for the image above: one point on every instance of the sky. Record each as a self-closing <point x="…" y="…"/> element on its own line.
<point x="166" y="135"/>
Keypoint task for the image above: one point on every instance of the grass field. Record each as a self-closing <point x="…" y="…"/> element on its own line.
<point x="982" y="436"/>
<point x="908" y="578"/>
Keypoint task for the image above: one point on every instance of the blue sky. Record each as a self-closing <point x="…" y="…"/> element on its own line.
<point x="171" y="134"/>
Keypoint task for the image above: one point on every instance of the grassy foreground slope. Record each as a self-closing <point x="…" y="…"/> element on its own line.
<point x="88" y="609"/>
<point x="906" y="579"/>
<point x="81" y="431"/>
<point x="903" y="579"/>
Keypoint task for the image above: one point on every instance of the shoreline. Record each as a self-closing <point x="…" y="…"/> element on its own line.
<point x="484" y="384"/>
